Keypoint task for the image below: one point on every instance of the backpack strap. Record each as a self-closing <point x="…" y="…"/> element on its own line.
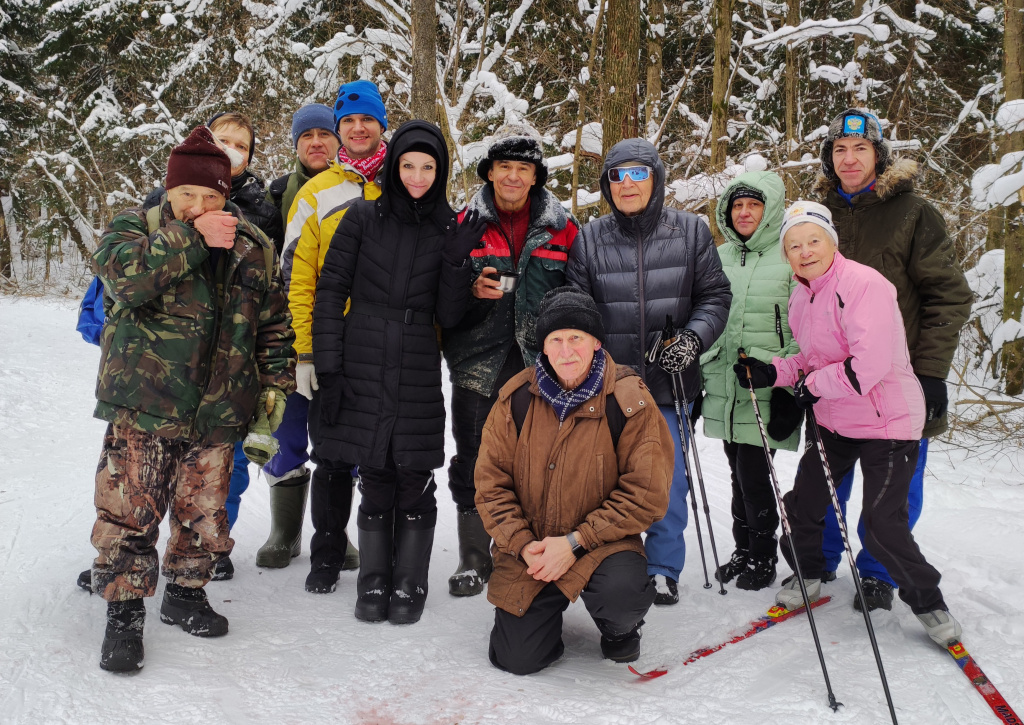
<point x="520" y="402"/>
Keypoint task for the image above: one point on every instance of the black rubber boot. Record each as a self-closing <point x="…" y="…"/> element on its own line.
<point x="475" y="563"/>
<point x="331" y="504"/>
<point x="287" y="509"/>
<point x="414" y="538"/>
<point x="373" y="586"/>
<point x="223" y="570"/>
<point x="734" y="567"/>
<point x="760" y="572"/>
<point x="877" y="593"/>
<point x="624" y="648"/>
<point x="85" y="580"/>
<point x="189" y="608"/>
<point x="122" y="649"/>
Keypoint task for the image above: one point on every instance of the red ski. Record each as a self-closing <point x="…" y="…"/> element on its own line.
<point x="982" y="684"/>
<point x="774" y="615"/>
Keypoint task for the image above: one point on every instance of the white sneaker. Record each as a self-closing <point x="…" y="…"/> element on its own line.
<point x="941" y="627"/>
<point x="791" y="598"/>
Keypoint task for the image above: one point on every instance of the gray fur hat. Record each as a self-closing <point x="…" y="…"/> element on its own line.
<point x="516" y="142"/>
<point x="858" y="123"/>
<point x="567" y="308"/>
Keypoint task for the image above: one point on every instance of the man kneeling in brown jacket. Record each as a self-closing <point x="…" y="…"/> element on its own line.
<point x="575" y="462"/>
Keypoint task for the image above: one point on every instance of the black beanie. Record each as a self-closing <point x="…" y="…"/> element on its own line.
<point x="515" y="142"/>
<point x="566" y="308"/>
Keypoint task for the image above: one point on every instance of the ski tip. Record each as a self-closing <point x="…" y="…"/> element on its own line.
<point x="650" y="675"/>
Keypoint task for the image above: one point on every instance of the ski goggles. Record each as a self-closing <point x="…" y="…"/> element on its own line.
<point x="618" y="174"/>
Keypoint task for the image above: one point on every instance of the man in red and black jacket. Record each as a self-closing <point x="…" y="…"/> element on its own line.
<point x="528" y="237"/>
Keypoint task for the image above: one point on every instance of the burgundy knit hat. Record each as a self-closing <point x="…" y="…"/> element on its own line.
<point x="199" y="161"/>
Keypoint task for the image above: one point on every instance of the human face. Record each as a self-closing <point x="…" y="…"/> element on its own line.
<point x="854" y="160"/>
<point x="512" y="183"/>
<point x="360" y="135"/>
<point x="631" y="197"/>
<point x="746" y="215"/>
<point x="417" y="171"/>
<point x="316" y="148"/>
<point x="189" y="202"/>
<point x="570" y="353"/>
<point x="237" y="138"/>
<point x="810" y="250"/>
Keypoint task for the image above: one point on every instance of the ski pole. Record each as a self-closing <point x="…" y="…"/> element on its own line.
<point x="700" y="475"/>
<point x="832" y="702"/>
<point x="849" y="555"/>
<point x="686" y="463"/>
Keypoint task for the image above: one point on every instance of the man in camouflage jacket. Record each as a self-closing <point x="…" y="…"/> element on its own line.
<point x="198" y="335"/>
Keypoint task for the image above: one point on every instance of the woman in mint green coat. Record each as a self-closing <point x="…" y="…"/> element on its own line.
<point x="749" y="214"/>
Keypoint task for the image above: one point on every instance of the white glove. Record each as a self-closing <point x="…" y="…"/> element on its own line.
<point x="305" y="379"/>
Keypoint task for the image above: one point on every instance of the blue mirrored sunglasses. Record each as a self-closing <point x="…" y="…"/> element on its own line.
<point x="636" y="173"/>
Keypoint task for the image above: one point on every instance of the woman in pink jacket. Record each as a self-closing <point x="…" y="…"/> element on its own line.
<point x="869" y="406"/>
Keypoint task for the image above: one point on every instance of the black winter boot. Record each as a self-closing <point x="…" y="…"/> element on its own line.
<point x="414" y="538"/>
<point x="475" y="564"/>
<point x="85" y="580"/>
<point x="223" y="570"/>
<point x="287" y="508"/>
<point x="122" y="649"/>
<point x="760" y="572"/>
<point x="331" y="505"/>
<point x="373" y="586"/>
<point x="189" y="608"/>
<point x="734" y="567"/>
<point x="877" y="593"/>
<point x="623" y="648"/>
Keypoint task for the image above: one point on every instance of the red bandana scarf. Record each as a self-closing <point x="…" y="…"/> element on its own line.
<point x="369" y="166"/>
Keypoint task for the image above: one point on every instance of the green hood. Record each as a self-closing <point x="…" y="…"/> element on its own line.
<point x="767" y="233"/>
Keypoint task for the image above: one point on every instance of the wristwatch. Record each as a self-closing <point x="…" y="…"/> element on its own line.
<point x="577" y="548"/>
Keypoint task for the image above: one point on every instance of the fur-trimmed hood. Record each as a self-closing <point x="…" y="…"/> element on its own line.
<point x="898" y="178"/>
<point x="546" y="212"/>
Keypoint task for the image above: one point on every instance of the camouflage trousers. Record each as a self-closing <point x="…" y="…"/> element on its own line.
<point x="139" y="477"/>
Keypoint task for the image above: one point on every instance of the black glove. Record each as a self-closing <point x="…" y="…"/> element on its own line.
<point x="679" y="354"/>
<point x="465" y="239"/>
<point x="784" y="416"/>
<point x="804" y="397"/>
<point x="762" y="374"/>
<point x="935" y="396"/>
<point x="698" y="406"/>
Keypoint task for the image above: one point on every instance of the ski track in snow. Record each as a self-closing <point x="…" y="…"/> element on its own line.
<point x="293" y="657"/>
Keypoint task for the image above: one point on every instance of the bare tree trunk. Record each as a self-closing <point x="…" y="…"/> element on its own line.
<point x="6" y="265"/>
<point x="581" y="93"/>
<point x="622" y="48"/>
<point x="424" y="60"/>
<point x="456" y="39"/>
<point x="792" y="101"/>
<point x="1013" y="224"/>
<point x="655" y="39"/>
<point x="722" y="25"/>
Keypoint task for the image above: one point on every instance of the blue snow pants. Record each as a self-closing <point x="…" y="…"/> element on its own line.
<point x="832" y="540"/>
<point x="665" y="545"/>
<point x="239" y="482"/>
<point x="292" y="436"/>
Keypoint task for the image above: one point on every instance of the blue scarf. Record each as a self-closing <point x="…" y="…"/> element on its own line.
<point x="849" y="197"/>
<point x="566" y="401"/>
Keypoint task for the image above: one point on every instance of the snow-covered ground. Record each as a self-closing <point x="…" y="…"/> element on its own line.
<point x="293" y="657"/>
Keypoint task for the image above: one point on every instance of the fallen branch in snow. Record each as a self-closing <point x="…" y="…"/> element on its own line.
<point x="989" y="403"/>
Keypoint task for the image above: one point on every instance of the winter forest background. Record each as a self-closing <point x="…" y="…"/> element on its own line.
<point x="95" y="93"/>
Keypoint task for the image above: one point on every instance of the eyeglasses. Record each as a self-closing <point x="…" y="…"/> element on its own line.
<point x="636" y="173"/>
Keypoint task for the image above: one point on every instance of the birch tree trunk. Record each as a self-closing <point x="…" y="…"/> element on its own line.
<point x="424" y="60"/>
<point x="722" y="25"/>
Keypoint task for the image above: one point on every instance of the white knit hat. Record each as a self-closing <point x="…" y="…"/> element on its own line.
<point x="807" y="212"/>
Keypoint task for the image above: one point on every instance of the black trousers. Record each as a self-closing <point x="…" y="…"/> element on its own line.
<point x="617" y="596"/>
<point x="887" y="467"/>
<point x="469" y="413"/>
<point x="393" y="487"/>
<point x="330" y="501"/>
<point x="755" y="515"/>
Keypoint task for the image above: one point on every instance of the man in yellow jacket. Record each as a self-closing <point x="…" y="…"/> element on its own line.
<point x="312" y="220"/>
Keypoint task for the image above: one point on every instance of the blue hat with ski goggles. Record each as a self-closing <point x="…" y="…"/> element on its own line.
<point x="618" y="174"/>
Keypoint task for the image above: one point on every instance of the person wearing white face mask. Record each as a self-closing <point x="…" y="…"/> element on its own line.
<point x="869" y="407"/>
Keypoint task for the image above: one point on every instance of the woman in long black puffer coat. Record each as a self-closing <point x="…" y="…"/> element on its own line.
<point x="401" y="262"/>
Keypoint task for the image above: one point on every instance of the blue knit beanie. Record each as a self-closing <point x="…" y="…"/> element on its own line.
<point x="314" y="115"/>
<point x="360" y="97"/>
